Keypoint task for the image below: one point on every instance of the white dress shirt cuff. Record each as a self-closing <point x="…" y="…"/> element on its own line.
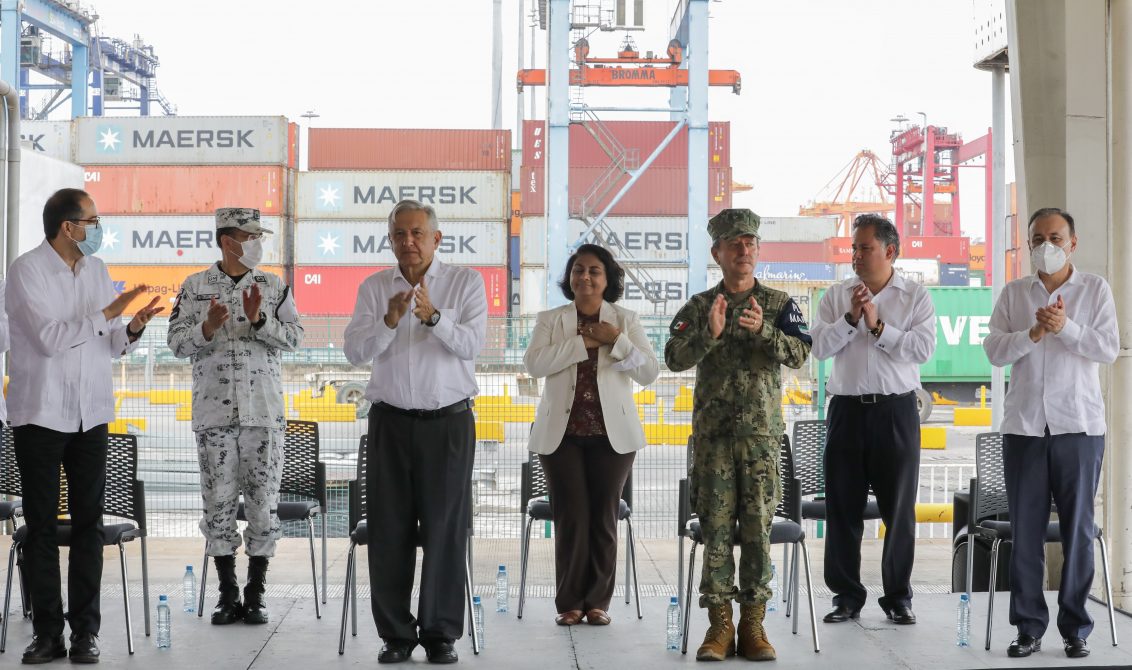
<point x="445" y="327"/>
<point x="888" y="338"/>
<point x="1071" y="331"/>
<point x="99" y="324"/>
<point x="844" y="331"/>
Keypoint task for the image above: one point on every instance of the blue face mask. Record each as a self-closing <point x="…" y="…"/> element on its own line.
<point x="93" y="241"/>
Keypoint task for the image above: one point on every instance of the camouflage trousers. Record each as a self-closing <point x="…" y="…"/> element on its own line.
<point x="735" y="481"/>
<point x="234" y="459"/>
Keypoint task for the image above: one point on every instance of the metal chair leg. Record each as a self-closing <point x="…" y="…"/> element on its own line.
<point x="990" y="589"/>
<point x="688" y="599"/>
<point x="1107" y="589"/>
<point x="8" y="596"/>
<point x="782" y="575"/>
<point x="126" y="599"/>
<point x="314" y="566"/>
<point x="471" y="611"/>
<point x="346" y="598"/>
<point x="792" y="606"/>
<point x="203" y="582"/>
<point x="354" y="597"/>
<point x="633" y="558"/>
<point x="524" y="551"/>
<point x="145" y="583"/>
<point x="680" y="595"/>
<point x="810" y="595"/>
<point x="627" y="552"/>
<point x="970" y="563"/>
<point x="322" y="518"/>
<point x="787" y="580"/>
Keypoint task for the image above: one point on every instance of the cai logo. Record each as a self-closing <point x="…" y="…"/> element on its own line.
<point x="329" y="195"/>
<point x="110" y="139"/>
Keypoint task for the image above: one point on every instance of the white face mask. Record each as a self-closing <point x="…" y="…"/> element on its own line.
<point x="253" y="253"/>
<point x="1048" y="258"/>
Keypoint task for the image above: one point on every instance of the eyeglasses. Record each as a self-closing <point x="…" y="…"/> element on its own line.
<point x="96" y="221"/>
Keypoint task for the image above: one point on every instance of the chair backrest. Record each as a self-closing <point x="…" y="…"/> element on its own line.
<point x="990" y="494"/>
<point x="125" y="493"/>
<point x="358" y="497"/>
<point x="534" y="484"/>
<point x="303" y="475"/>
<point x="10" y="483"/>
<point x="809" y="449"/>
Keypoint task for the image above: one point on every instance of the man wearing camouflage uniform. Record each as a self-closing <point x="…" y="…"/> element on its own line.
<point x="234" y="321"/>
<point x="737" y="334"/>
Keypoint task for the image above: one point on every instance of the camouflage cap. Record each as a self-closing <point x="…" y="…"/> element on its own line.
<point x="244" y="218"/>
<point x="731" y="223"/>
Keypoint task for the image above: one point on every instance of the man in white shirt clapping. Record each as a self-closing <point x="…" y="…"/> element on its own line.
<point x="1056" y="328"/>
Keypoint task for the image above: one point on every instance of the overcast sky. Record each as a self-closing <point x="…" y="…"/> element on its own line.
<point x="821" y="78"/>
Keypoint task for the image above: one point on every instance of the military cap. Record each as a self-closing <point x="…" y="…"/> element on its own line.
<point x="244" y="218"/>
<point x="731" y="223"/>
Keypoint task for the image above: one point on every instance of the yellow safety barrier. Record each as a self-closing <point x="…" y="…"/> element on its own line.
<point x="518" y="413"/>
<point x="184" y="412"/>
<point x="645" y="397"/>
<point x="337" y="413"/>
<point x="489" y="431"/>
<point x="495" y="400"/>
<point x="683" y="402"/>
<point x="972" y="416"/>
<point x="170" y="397"/>
<point x="660" y="432"/>
<point x="123" y="425"/>
<point x="929" y="513"/>
<point x="933" y="437"/>
<point x="131" y="394"/>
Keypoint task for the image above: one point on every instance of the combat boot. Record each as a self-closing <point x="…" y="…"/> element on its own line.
<point x="229" y="609"/>
<point x="719" y="642"/>
<point x="254" y="604"/>
<point x="753" y="643"/>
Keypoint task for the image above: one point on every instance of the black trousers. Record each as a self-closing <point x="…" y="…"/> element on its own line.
<point x="875" y="445"/>
<point x="39" y="452"/>
<point x="419" y="472"/>
<point x="585" y="477"/>
<point x="1066" y="467"/>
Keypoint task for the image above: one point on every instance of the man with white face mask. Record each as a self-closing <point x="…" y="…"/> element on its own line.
<point x="234" y="322"/>
<point x="1055" y="327"/>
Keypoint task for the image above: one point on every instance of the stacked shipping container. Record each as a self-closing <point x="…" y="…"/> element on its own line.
<point x="358" y="174"/>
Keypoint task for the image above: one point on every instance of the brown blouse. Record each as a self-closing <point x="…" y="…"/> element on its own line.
<point x="586" y="419"/>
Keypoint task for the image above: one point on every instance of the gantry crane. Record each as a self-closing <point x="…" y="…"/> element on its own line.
<point x="842" y="196"/>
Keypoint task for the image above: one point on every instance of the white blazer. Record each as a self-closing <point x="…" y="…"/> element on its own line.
<point x="555" y="351"/>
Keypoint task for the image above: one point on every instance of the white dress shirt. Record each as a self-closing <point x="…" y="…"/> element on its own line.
<point x="416" y="366"/>
<point x="862" y="363"/>
<point x="62" y="345"/>
<point x="1054" y="382"/>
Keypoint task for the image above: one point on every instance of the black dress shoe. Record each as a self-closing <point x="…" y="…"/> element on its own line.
<point x="396" y="651"/>
<point x="44" y="649"/>
<point x="440" y="651"/>
<point x="1076" y="647"/>
<point x="901" y="615"/>
<point x="84" y="648"/>
<point x="1024" y="645"/>
<point x="841" y="614"/>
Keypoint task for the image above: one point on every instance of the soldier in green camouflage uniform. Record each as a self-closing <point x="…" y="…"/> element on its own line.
<point x="737" y="334"/>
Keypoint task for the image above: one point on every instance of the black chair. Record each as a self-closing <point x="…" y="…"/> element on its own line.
<point x="989" y="512"/>
<point x="786" y="531"/>
<point x="359" y="507"/>
<point x="534" y="496"/>
<point x="11" y="510"/>
<point x="124" y="498"/>
<point x="304" y="480"/>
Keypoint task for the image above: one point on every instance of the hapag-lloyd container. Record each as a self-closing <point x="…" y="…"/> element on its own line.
<point x="482" y="243"/>
<point x="640" y="136"/>
<point x="157" y="240"/>
<point x="333" y="289"/>
<point x="186" y="189"/>
<point x="370" y="195"/>
<point x="658" y="191"/>
<point x="160" y="280"/>
<point x="185" y="140"/>
<point x="409" y="149"/>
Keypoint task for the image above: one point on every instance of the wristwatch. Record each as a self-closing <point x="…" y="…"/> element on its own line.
<point x="259" y="323"/>
<point x="849" y="320"/>
<point x="434" y="319"/>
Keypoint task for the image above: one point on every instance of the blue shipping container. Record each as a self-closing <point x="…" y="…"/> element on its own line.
<point x="795" y="271"/>
<point x="953" y="275"/>
<point x="513" y="257"/>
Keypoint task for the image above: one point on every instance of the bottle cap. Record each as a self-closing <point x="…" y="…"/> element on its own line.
<point x="475" y="600"/>
<point x="964" y="596"/>
<point x="674" y="601"/>
<point x="162" y="598"/>
<point x="502" y="568"/>
<point x="188" y="568"/>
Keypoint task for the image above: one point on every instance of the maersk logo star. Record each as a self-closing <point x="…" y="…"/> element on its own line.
<point x="110" y="239"/>
<point x="109" y="140"/>
<point x="329" y="244"/>
<point x="329" y="195"/>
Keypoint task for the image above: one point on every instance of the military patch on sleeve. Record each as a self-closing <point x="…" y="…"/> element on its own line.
<point x="793" y="323"/>
<point x="679" y="326"/>
<point x="261" y="279"/>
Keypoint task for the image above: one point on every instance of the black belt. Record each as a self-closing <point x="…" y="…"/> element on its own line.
<point x="875" y="398"/>
<point x="454" y="408"/>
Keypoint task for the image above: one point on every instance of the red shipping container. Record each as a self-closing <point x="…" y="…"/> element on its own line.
<point x="185" y="189"/>
<point x="658" y="192"/>
<point x="332" y="290"/>
<point x="409" y="149"/>
<point x="792" y="252"/>
<point x="943" y="249"/>
<point x="643" y="136"/>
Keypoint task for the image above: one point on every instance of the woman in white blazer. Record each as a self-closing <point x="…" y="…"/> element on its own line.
<point x="587" y="431"/>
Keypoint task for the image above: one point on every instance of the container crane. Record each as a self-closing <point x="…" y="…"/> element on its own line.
<point x="864" y="178"/>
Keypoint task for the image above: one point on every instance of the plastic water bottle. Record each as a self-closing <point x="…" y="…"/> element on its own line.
<point x="775" y="593"/>
<point x="164" y="623"/>
<point x="477" y="614"/>
<point x="189" y="587"/>
<point x="963" y="622"/>
<point x="501" y="589"/>
<point x="674" y="632"/>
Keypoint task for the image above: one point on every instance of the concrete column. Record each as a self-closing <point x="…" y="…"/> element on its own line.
<point x="557" y="172"/>
<point x="698" y="253"/>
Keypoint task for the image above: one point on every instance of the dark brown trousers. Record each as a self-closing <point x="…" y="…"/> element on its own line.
<point x="585" y="477"/>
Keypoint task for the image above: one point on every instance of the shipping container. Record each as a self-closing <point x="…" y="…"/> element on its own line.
<point x="333" y="289"/>
<point x="185" y="140"/>
<point x="813" y="272"/>
<point x="367" y="243"/>
<point x="953" y="275"/>
<point x="40" y="177"/>
<point x="640" y="138"/>
<point x="161" y="280"/>
<point x="797" y="228"/>
<point x="186" y="189"/>
<point x="793" y="252"/>
<point x="181" y="240"/>
<point x="371" y="195"/>
<point x="941" y="249"/>
<point x="920" y="270"/>
<point x="978" y="259"/>
<point x="646" y="239"/>
<point x="50" y="138"/>
<point x="408" y="149"/>
<point x="658" y="191"/>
